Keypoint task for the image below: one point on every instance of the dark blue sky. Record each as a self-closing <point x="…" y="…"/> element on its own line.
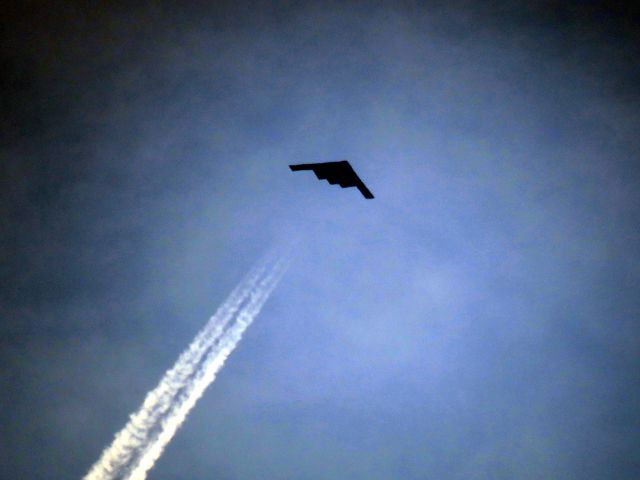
<point x="478" y="320"/>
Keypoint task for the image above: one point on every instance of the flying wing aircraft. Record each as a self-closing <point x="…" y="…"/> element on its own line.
<point x="336" y="172"/>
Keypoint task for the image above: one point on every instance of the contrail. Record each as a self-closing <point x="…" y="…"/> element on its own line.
<point x="140" y="443"/>
<point x="204" y="376"/>
<point x="134" y="436"/>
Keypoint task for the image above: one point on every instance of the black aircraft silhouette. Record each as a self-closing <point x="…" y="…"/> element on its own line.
<point x="335" y="172"/>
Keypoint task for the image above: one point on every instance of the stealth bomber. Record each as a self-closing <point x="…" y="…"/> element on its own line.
<point x="340" y="173"/>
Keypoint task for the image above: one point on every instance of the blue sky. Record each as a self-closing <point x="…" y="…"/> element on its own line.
<point x="477" y="320"/>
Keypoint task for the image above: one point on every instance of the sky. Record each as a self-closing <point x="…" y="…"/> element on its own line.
<point x="479" y="319"/>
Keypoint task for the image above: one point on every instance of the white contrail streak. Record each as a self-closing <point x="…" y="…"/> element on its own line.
<point x="206" y="374"/>
<point x="140" y="443"/>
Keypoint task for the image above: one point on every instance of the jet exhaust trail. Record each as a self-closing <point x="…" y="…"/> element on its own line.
<point x="140" y="443"/>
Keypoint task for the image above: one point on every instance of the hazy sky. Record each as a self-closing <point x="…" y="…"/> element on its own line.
<point x="478" y="320"/>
